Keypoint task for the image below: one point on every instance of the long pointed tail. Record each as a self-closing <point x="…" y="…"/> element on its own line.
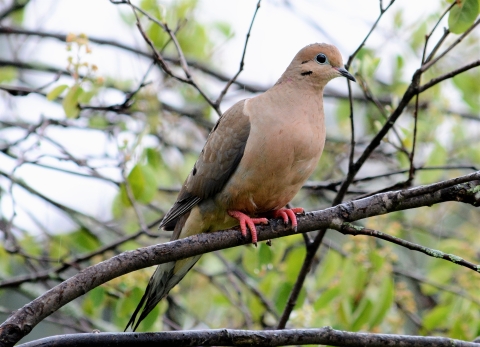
<point x="165" y="277"/>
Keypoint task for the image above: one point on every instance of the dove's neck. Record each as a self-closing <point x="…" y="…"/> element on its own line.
<point x="293" y="100"/>
<point x="292" y="107"/>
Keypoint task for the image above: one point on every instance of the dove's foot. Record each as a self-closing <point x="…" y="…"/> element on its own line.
<point x="288" y="213"/>
<point x="248" y="221"/>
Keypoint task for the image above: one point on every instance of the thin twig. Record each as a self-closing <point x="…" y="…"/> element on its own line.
<point x="430" y="63"/>
<point x="451" y="74"/>
<point x="427" y="37"/>
<point x="411" y="172"/>
<point x="245" y="280"/>
<point x="242" y="60"/>
<point x="351" y="229"/>
<point x="159" y="58"/>
<point x="354" y="54"/>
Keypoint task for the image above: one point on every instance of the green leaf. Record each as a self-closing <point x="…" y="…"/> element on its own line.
<point x="362" y="314"/>
<point x="458" y="330"/>
<point x="127" y="304"/>
<point x="55" y="92"/>
<point x="294" y="263"/>
<point x="383" y="301"/>
<point x="83" y="240"/>
<point x="70" y="102"/>
<point x="7" y="74"/>
<point x="417" y="38"/>
<point x="250" y="260"/>
<point x="376" y="260"/>
<point x="87" y="96"/>
<point x="97" y="122"/>
<point x="345" y="312"/>
<point x="97" y="295"/>
<point x="468" y="84"/>
<point x="342" y="114"/>
<point x="154" y="159"/>
<point x="143" y="184"/>
<point x="437" y="317"/>
<point x="17" y="16"/>
<point x="265" y="256"/>
<point x="150" y="320"/>
<point x="282" y="295"/>
<point x="224" y="28"/>
<point x="330" y="267"/>
<point x="326" y="298"/>
<point x="300" y="299"/>
<point x="462" y="16"/>
<point x="437" y="157"/>
<point x="359" y="279"/>
<point x="349" y="270"/>
<point x="118" y="206"/>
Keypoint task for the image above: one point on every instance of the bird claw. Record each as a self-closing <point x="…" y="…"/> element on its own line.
<point x="289" y="213"/>
<point x="248" y="221"/>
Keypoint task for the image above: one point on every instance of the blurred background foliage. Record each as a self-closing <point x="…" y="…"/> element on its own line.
<point x="147" y="135"/>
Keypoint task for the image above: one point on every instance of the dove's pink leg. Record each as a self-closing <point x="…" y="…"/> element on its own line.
<point x="288" y="213"/>
<point x="246" y="220"/>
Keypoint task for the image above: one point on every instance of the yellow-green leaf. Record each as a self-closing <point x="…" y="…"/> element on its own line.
<point x="87" y="96"/>
<point x="436" y="318"/>
<point x="362" y="313"/>
<point x="294" y="263"/>
<point x="7" y="74"/>
<point x="383" y="301"/>
<point x="154" y="158"/>
<point x="326" y="297"/>
<point x="55" y="92"/>
<point x="143" y="184"/>
<point x="462" y="16"/>
<point x="330" y="267"/>
<point x="70" y="102"/>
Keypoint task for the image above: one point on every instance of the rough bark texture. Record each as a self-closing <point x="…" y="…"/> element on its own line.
<point x="227" y="337"/>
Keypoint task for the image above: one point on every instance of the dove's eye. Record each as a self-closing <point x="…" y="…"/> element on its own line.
<point x="321" y="58"/>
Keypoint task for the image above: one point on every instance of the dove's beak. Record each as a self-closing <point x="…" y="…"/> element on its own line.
<point x="342" y="71"/>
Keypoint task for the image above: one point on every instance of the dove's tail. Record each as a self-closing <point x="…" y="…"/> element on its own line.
<point x="165" y="277"/>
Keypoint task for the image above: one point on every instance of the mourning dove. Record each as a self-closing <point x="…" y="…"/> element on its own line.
<point x="257" y="157"/>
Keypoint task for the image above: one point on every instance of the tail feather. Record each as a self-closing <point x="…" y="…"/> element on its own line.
<point x="165" y="277"/>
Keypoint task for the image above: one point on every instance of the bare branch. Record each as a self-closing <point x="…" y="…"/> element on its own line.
<point x="159" y="58"/>
<point x="430" y="63"/>
<point x="451" y="74"/>
<point x="195" y="64"/>
<point x="354" y="54"/>
<point x="240" y="68"/>
<point x="427" y="37"/>
<point x="350" y="229"/>
<point x="230" y="337"/>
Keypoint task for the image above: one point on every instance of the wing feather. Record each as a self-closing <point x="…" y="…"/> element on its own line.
<point x="218" y="160"/>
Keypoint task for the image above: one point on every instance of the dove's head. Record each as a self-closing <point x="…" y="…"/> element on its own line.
<point x="318" y="63"/>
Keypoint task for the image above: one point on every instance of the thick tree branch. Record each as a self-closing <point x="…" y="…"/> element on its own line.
<point x="230" y="337"/>
<point x="23" y="320"/>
